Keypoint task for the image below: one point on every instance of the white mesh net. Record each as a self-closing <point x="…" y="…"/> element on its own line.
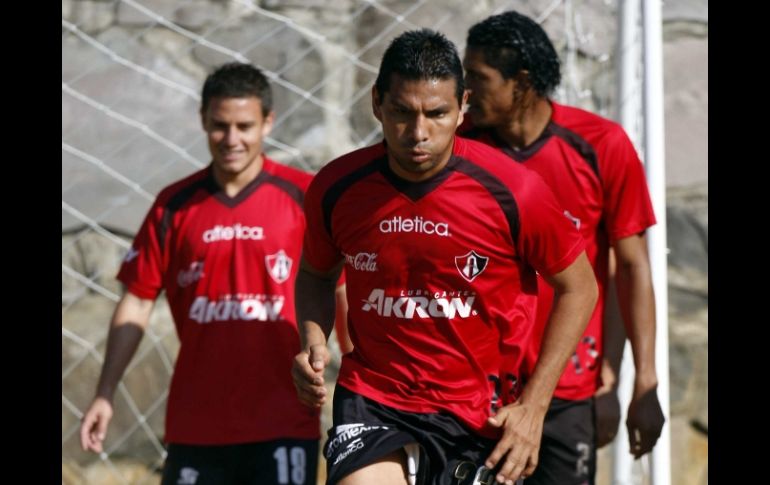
<point x="131" y="77"/>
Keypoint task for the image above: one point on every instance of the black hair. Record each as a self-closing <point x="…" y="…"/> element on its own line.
<point x="237" y="80"/>
<point x="511" y="42"/>
<point x="421" y="54"/>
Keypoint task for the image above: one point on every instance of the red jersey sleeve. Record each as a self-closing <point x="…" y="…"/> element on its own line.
<point x="548" y="241"/>
<point x="142" y="267"/>
<point x="318" y="248"/>
<point x="628" y="208"/>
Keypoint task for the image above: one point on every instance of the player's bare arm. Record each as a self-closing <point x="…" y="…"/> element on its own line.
<point x="607" y="405"/>
<point x="130" y="319"/>
<point x="637" y="305"/>
<point x="315" y="297"/>
<point x="341" y="320"/>
<point x="575" y="295"/>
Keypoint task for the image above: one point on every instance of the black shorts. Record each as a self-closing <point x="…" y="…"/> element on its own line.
<point x="284" y="462"/>
<point x="568" y="449"/>
<point x="364" y="430"/>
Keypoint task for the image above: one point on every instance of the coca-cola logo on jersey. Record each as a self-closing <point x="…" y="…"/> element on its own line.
<point x="362" y="261"/>
<point x="236" y="231"/>
<point x="188" y="276"/>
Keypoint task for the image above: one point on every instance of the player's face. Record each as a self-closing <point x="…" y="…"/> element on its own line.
<point x="490" y="96"/>
<point x="235" y="128"/>
<point x="419" y="118"/>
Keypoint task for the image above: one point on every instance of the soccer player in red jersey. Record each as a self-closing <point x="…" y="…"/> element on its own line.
<point x="224" y="243"/>
<point x="598" y="179"/>
<point x="440" y="240"/>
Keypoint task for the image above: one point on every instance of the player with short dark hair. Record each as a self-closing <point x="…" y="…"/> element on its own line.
<point x="224" y="244"/>
<point x="440" y="240"/>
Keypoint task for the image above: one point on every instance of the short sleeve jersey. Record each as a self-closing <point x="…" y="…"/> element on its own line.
<point x="599" y="181"/>
<point x="228" y="266"/>
<point x="437" y="272"/>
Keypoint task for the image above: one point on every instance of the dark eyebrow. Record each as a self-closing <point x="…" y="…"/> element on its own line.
<point x="438" y="111"/>
<point x="399" y="105"/>
<point x="221" y="122"/>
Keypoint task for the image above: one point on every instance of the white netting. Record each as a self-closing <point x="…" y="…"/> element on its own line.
<point x="131" y="77"/>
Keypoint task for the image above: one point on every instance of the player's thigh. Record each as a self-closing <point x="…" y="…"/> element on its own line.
<point x="387" y="470"/>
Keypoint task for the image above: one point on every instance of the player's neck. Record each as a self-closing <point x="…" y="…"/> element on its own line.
<point x="527" y="123"/>
<point x="232" y="183"/>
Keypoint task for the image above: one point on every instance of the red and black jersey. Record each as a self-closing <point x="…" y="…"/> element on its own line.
<point x="437" y="273"/>
<point x="598" y="179"/>
<point x="228" y="266"/>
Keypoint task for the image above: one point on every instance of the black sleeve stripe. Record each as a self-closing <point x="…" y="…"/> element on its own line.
<point x="334" y="192"/>
<point x="293" y="191"/>
<point x="490" y="137"/>
<point x="497" y="190"/>
<point x="580" y="145"/>
<point x="178" y="199"/>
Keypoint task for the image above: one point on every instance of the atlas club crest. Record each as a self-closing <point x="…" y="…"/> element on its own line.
<point x="471" y="265"/>
<point x="279" y="266"/>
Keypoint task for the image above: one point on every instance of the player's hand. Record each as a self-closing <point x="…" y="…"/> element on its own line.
<point x="522" y="427"/>
<point x="307" y="371"/>
<point x="93" y="429"/>
<point x="607" y="408"/>
<point x="645" y="421"/>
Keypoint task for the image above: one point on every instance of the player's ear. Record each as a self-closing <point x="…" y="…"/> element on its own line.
<point x="376" y="101"/>
<point x="463" y="106"/>
<point x="523" y="92"/>
<point x="267" y="123"/>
